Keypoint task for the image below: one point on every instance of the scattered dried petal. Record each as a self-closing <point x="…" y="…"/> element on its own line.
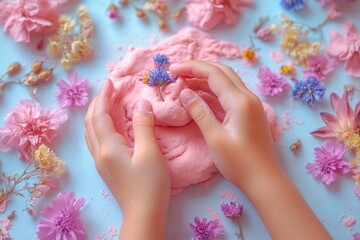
<point x="296" y="145"/>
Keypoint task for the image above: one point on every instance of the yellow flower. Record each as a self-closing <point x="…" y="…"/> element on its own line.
<point x="66" y="24"/>
<point x="353" y="142"/>
<point x="82" y="12"/>
<point x="249" y="55"/>
<point x="145" y="79"/>
<point x="287" y="69"/>
<point x="47" y="160"/>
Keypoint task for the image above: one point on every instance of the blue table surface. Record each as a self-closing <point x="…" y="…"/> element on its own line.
<point x="330" y="204"/>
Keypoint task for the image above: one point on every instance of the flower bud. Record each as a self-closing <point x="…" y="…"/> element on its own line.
<point x="112" y="11"/>
<point x="13" y="68"/>
<point x="36" y="67"/>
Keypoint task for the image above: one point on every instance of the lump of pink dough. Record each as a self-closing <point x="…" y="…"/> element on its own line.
<point x="180" y="140"/>
<point x="207" y="14"/>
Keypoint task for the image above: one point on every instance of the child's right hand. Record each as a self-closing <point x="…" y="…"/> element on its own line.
<point x="242" y="146"/>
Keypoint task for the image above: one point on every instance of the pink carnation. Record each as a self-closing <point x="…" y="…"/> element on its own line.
<point x="22" y="17"/>
<point x="73" y="94"/>
<point x="271" y="84"/>
<point x="28" y="126"/>
<point x="62" y="220"/>
<point x="318" y="66"/>
<point x="346" y="48"/>
<point x="206" y="14"/>
<point x="329" y="162"/>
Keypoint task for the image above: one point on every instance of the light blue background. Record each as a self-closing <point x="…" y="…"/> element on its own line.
<point x="329" y="203"/>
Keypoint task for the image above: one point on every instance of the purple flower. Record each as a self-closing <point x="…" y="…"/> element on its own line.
<point x="160" y="60"/>
<point x="329" y="162"/>
<point x="293" y="5"/>
<point x="158" y="77"/>
<point x="309" y="91"/>
<point x="318" y="66"/>
<point x="62" y="219"/>
<point x="206" y="230"/>
<point x="356" y="236"/>
<point x="232" y="210"/>
<point x="271" y="84"/>
<point x="73" y="94"/>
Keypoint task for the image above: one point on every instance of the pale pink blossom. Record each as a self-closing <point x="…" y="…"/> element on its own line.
<point x="270" y="83"/>
<point x="207" y="14"/>
<point x="22" y="17"/>
<point x="346" y="48"/>
<point x="264" y="34"/>
<point x="28" y="126"/>
<point x="5" y="225"/>
<point x="318" y="66"/>
<point x="345" y="121"/>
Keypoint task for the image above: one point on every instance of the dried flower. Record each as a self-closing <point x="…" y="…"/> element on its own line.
<point x="296" y="145"/>
<point x="232" y="210"/>
<point x="329" y="162"/>
<point x="352" y="142"/>
<point x="73" y="94"/>
<point x="28" y="126"/>
<point x="356" y="236"/>
<point x="160" y="60"/>
<point x="309" y="91"/>
<point x="112" y="11"/>
<point x="271" y="84"/>
<point x="264" y="34"/>
<point x="140" y="13"/>
<point x="62" y="220"/>
<point x="346" y="48"/>
<point x="293" y="5"/>
<point x="249" y="56"/>
<point x="318" y="66"/>
<point x="5" y="225"/>
<point x="20" y="18"/>
<point x="13" y="68"/>
<point x="46" y="159"/>
<point x="206" y="230"/>
<point x="178" y="14"/>
<point x="345" y="123"/>
<point x="162" y="23"/>
<point x="286" y="69"/>
<point x="36" y="66"/>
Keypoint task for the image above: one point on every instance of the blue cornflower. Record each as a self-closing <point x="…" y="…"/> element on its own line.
<point x="158" y="77"/>
<point x="160" y="60"/>
<point x="309" y="91"/>
<point x="293" y="5"/>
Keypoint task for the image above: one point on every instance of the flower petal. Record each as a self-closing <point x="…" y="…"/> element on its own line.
<point x="324" y="132"/>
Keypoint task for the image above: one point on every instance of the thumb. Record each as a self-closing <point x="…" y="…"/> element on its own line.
<point x="201" y="113"/>
<point x="143" y="125"/>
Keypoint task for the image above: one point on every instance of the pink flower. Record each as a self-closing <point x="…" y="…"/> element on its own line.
<point x="22" y="17"/>
<point x="208" y="230"/>
<point x="5" y="225"/>
<point x="232" y="209"/>
<point x="271" y="84"/>
<point x="334" y="11"/>
<point x="346" y="48"/>
<point x="28" y="126"/>
<point x="208" y="13"/>
<point x="264" y="34"/>
<point x="73" y="94"/>
<point x="356" y="236"/>
<point x="62" y="219"/>
<point x="318" y="66"/>
<point x="329" y="162"/>
<point x="345" y="121"/>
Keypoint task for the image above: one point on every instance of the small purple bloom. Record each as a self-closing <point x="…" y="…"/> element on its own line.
<point x="232" y="209"/>
<point x="329" y="162"/>
<point x="309" y="91"/>
<point x="206" y="230"/>
<point x="271" y="84"/>
<point x="62" y="219"/>
<point x="158" y="77"/>
<point x="293" y="5"/>
<point x="74" y="93"/>
<point x="160" y="60"/>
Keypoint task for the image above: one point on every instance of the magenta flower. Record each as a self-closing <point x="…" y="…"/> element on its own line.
<point x="346" y="48"/>
<point x="232" y="210"/>
<point x="28" y="126"/>
<point x="329" y="162"/>
<point x="22" y="17"/>
<point x="271" y="84"/>
<point x="73" y="94"/>
<point x="206" y="230"/>
<point x="345" y="121"/>
<point x="356" y="236"/>
<point x="318" y="66"/>
<point x="62" y="219"/>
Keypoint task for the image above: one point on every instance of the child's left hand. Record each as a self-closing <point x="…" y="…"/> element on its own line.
<point x="138" y="178"/>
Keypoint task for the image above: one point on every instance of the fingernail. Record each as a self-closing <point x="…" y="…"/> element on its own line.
<point x="143" y="106"/>
<point x="187" y="96"/>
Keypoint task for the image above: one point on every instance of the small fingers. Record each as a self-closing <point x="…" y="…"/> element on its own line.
<point x="201" y="113"/>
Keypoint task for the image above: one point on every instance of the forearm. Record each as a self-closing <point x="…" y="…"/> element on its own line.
<point x="282" y="208"/>
<point x="143" y="226"/>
